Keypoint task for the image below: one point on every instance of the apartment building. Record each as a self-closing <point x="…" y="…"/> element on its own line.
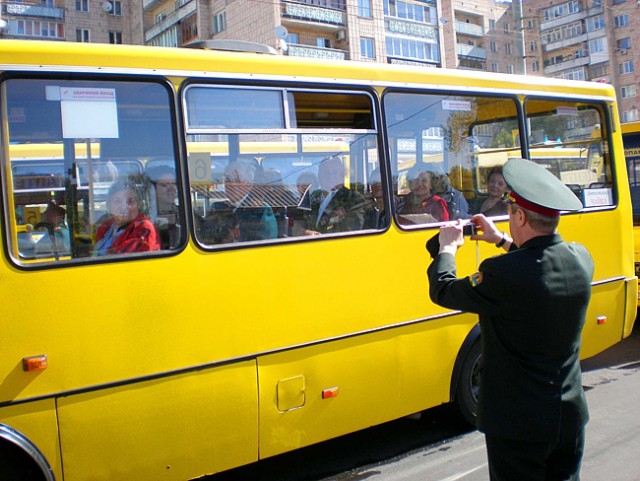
<point x="597" y="40"/>
<point x="104" y="21"/>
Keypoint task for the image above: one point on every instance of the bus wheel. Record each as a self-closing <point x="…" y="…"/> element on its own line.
<point x="16" y="465"/>
<point x="468" y="386"/>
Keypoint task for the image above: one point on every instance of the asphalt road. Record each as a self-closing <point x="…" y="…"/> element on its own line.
<point x="441" y="447"/>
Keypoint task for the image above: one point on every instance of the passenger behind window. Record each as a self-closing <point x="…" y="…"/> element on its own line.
<point x="245" y="215"/>
<point x="421" y="205"/>
<point x="376" y="215"/>
<point x="493" y="205"/>
<point x="165" y="213"/>
<point x="57" y="242"/>
<point x="457" y="205"/>
<point x="334" y="207"/>
<point x="126" y="229"/>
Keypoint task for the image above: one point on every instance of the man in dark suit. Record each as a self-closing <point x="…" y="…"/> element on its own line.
<point x="532" y="304"/>
<point x="334" y="207"/>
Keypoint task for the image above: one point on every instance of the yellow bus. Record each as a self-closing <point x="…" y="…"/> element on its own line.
<point x="255" y="319"/>
<point x="631" y="142"/>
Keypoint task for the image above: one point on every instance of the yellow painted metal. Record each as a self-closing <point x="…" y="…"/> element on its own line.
<point x="307" y="310"/>
<point x="37" y="422"/>
<point x="174" y="428"/>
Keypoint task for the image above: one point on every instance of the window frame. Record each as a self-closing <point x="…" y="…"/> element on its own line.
<point x="10" y="233"/>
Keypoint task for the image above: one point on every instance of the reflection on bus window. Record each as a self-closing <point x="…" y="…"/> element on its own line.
<point x="256" y="187"/>
<point x="567" y="139"/>
<point x="434" y="144"/>
<point x="447" y="152"/>
<point x="66" y="155"/>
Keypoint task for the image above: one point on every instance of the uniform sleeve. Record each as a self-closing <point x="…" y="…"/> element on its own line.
<point x="478" y="293"/>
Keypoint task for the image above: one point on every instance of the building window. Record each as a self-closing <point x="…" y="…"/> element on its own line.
<point x="508" y="48"/>
<point x="621" y="20"/>
<point x="595" y="23"/>
<point x="616" y="2"/>
<point x="494" y="67"/>
<point x="510" y="69"/>
<point x="623" y="44"/>
<point x="630" y="115"/>
<point x="597" y="46"/>
<point x="492" y="25"/>
<point x="219" y="22"/>
<point x="628" y="91"/>
<point x="292" y="38"/>
<point x="493" y="46"/>
<point x="535" y="66"/>
<point x="367" y="49"/>
<point x="626" y="67"/>
<point x="506" y="28"/>
<point x="82" y="5"/>
<point x="116" y="8"/>
<point x="413" y="49"/>
<point x="533" y="46"/>
<point x="561" y="10"/>
<point x="115" y="37"/>
<point x="82" y="35"/>
<point x="364" y="8"/>
<point x="323" y="42"/>
<point x="161" y="16"/>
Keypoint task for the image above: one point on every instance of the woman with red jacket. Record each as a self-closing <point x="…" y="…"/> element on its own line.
<point x="126" y="229"/>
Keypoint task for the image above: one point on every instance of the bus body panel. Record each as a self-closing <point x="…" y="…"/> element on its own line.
<point x="38" y="423"/>
<point x="359" y="382"/>
<point x="196" y="361"/>
<point x="173" y="428"/>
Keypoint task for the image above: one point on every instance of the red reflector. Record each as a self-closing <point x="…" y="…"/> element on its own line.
<point x="601" y="319"/>
<point x="331" y="392"/>
<point x="34" y="363"/>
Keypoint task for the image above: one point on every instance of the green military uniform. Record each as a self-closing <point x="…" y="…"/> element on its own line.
<point x="532" y="305"/>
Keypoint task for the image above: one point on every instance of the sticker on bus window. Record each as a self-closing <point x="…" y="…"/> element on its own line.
<point x="463" y="105"/>
<point x="200" y="168"/>
<point x="597" y="197"/>
<point x="86" y="112"/>
<point x="567" y="111"/>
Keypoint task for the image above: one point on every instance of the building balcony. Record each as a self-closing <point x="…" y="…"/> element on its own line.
<point x="566" y="65"/>
<point x="469" y="29"/>
<point x="170" y="20"/>
<point x="294" y="12"/>
<point x="28" y="10"/>
<point x="565" y="42"/>
<point x="471" y="51"/>
<point x="394" y="25"/>
<point x="557" y="22"/>
<point x="308" y="51"/>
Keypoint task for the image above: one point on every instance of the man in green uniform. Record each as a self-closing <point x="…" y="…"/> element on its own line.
<point x="532" y="304"/>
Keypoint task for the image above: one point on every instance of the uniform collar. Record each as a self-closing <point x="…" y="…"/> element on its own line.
<point x="542" y="240"/>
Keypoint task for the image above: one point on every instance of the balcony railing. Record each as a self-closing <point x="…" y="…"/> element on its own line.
<point x="469" y="29"/>
<point x="471" y="51"/>
<point x="563" y="20"/>
<point x="405" y="27"/>
<point x="296" y="50"/>
<point x="27" y="10"/>
<point x="566" y="65"/>
<point x="312" y="13"/>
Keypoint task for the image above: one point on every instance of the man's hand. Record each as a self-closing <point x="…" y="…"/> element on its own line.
<point x="486" y="230"/>
<point x="451" y="238"/>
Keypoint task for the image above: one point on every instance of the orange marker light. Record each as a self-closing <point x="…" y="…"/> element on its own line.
<point x="331" y="392"/>
<point x="601" y="319"/>
<point x="34" y="363"/>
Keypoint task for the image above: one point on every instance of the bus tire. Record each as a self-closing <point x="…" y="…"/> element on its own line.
<point x="17" y="465"/>
<point x="468" y="385"/>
